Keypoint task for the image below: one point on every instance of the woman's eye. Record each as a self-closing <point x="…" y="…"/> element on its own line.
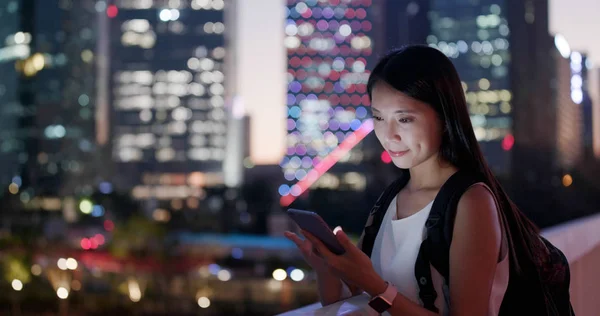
<point x="377" y="118"/>
<point x="405" y="120"/>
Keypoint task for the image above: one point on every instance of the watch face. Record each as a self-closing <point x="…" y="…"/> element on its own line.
<point x="379" y="304"/>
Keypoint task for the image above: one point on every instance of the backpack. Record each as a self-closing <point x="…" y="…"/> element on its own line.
<point x="544" y="294"/>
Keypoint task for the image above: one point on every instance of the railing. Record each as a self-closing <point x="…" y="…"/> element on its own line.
<point x="578" y="239"/>
<point x="580" y="242"/>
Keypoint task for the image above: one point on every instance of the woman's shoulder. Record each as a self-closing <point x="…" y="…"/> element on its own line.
<point x="477" y="216"/>
<point x="477" y="197"/>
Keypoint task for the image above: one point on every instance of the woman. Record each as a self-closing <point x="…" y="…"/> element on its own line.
<point x="420" y="117"/>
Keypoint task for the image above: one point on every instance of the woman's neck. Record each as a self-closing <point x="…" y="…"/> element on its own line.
<point x="430" y="174"/>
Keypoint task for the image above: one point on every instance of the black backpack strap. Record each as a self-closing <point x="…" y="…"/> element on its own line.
<point x="435" y="249"/>
<point x="378" y="212"/>
<point x="427" y="292"/>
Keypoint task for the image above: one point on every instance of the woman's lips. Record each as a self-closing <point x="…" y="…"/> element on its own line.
<point x="397" y="153"/>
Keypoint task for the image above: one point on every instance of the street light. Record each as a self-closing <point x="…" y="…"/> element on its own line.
<point x="62" y="293"/>
<point x="71" y="264"/>
<point x="86" y="206"/>
<point x="279" y="274"/>
<point x="17" y="285"/>
<point x="62" y="264"/>
<point x="297" y="275"/>
<point x="224" y="275"/>
<point x="135" y="293"/>
<point x="203" y="302"/>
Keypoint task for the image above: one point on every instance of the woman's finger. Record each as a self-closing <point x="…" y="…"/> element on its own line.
<point x="303" y="244"/>
<point x="318" y="246"/>
<point x="294" y="238"/>
<point x="310" y="240"/>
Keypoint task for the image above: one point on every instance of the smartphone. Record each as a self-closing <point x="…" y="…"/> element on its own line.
<point x="314" y="224"/>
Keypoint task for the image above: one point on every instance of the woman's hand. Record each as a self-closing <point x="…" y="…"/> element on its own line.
<point x="309" y="253"/>
<point x="354" y="266"/>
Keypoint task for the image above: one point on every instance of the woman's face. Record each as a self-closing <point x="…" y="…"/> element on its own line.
<point x="408" y="129"/>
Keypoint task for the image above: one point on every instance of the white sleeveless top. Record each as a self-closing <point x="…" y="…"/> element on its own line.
<point x="395" y="252"/>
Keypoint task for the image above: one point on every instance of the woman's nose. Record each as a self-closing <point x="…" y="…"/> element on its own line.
<point x="391" y="132"/>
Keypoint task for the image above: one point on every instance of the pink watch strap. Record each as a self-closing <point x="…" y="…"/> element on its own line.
<point x="388" y="296"/>
<point x="390" y="293"/>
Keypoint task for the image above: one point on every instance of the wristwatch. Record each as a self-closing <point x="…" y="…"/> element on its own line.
<point x="383" y="301"/>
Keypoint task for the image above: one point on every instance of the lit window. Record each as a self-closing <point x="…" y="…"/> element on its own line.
<point x="130" y="154"/>
<point x="177" y="128"/>
<point x="193" y="63"/>
<point x="199" y="154"/>
<point x="218" y="53"/>
<point x="145" y="140"/>
<point x="165" y="154"/>
<point x="146" y="115"/>
<point x="181" y="114"/>
<point x="218" y="4"/>
<point x="217" y="89"/>
<point x="207" y="64"/>
<point x="217" y="76"/>
<point x="292" y="42"/>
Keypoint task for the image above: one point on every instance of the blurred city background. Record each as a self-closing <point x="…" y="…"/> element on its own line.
<point x="149" y="148"/>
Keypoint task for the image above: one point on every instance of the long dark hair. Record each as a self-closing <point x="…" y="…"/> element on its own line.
<point x="425" y="74"/>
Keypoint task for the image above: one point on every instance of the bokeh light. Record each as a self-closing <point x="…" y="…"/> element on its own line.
<point x="17" y="285"/>
<point x="279" y="274"/>
<point x="297" y="275"/>
<point x="329" y="48"/>
<point x="203" y="302"/>
<point x="62" y="293"/>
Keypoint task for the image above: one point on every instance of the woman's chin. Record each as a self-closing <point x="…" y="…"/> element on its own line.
<point x="402" y="163"/>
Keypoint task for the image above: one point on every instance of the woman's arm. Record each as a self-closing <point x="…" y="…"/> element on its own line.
<point x="476" y="243"/>
<point x="330" y="288"/>
<point x="474" y="255"/>
<point x="333" y="289"/>
<point x="355" y="290"/>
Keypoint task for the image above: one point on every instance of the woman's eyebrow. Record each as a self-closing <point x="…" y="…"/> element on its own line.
<point x="397" y="111"/>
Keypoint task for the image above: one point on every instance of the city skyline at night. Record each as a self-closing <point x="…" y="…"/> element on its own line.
<point x="149" y="149"/>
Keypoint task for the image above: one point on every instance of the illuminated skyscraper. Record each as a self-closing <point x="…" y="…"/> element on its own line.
<point x="475" y="35"/>
<point x="169" y="117"/>
<point x="587" y="103"/>
<point x="569" y="120"/>
<point x="570" y="96"/>
<point x="14" y="47"/>
<point x="48" y="102"/>
<point x="398" y="23"/>
<point x="330" y="48"/>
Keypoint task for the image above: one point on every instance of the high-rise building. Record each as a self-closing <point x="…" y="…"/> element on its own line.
<point x="65" y="34"/>
<point x="477" y="37"/>
<point x="569" y="115"/>
<point x="550" y="166"/>
<point x="581" y="68"/>
<point x="576" y="192"/>
<point x="49" y="100"/>
<point x="330" y="48"/>
<point x="399" y="22"/>
<point x="14" y="47"/>
<point x="169" y="108"/>
<point x="504" y="56"/>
